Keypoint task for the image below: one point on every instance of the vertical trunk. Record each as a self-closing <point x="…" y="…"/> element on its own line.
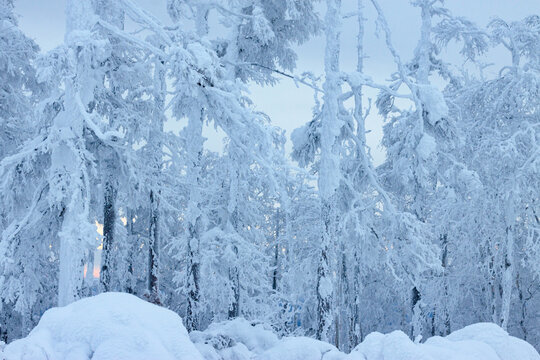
<point x="193" y="219"/>
<point x="193" y="278"/>
<point x="324" y="290"/>
<point x="132" y="244"/>
<point x="355" y="335"/>
<point x="343" y="312"/>
<point x="492" y="289"/>
<point x="155" y="148"/>
<point x="109" y="223"/>
<point x="70" y="278"/>
<point x="68" y="165"/>
<point x="423" y="53"/>
<point x="355" y="331"/>
<point x="416" y="322"/>
<point x="108" y="11"/>
<point x="232" y="226"/>
<point x="195" y="148"/>
<point x="3" y="320"/>
<point x="508" y="279"/>
<point x="446" y="311"/>
<point x="152" y="285"/>
<point x="523" y="304"/>
<point x="276" y="251"/>
<point x="234" y="278"/>
<point x="329" y="168"/>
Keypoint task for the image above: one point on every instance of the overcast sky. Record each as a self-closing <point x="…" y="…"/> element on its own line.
<point x="289" y="106"/>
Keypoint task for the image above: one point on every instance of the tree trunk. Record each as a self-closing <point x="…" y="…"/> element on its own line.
<point x="234" y="278"/>
<point x="193" y="278"/>
<point x="329" y="168"/>
<point x="152" y="285"/>
<point x="109" y="223"/>
<point x="508" y="266"/>
<point x="110" y="12"/>
<point x="68" y="165"/>
<point x="195" y="148"/>
<point x="156" y="156"/>
<point x="446" y="311"/>
<point x="324" y="280"/>
<point x="416" y="324"/>
<point x="276" y="250"/>
<point x="132" y="244"/>
<point x="523" y="304"/>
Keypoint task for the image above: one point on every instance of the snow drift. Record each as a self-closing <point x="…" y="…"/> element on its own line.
<point x="115" y="326"/>
<point x="109" y="326"/>
<point x="241" y="340"/>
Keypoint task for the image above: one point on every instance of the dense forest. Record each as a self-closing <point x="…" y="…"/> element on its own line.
<point x="97" y="194"/>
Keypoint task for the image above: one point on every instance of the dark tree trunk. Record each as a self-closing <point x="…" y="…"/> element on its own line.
<point x="415" y="303"/>
<point x="324" y="283"/>
<point x="153" y="250"/>
<point x="234" y="277"/>
<point x="109" y="221"/>
<point x="192" y="316"/>
<point x="276" y="252"/>
<point x="132" y="244"/>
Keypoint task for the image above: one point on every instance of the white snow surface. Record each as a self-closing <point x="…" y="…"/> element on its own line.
<point x="109" y="326"/>
<point x="121" y="326"/>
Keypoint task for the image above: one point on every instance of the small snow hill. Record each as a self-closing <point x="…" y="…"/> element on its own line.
<point x="109" y="326"/>
<point x="116" y="326"/>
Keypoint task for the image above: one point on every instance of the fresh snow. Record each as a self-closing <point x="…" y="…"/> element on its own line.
<point x="117" y="326"/>
<point x="109" y="326"/>
<point x="434" y="103"/>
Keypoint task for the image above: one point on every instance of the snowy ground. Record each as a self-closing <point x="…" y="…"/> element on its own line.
<point x="116" y="326"/>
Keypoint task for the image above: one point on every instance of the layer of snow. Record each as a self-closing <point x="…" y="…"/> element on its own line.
<point x="475" y="342"/>
<point x="115" y="326"/>
<point x="241" y="340"/>
<point x="434" y="102"/>
<point x="110" y="326"/>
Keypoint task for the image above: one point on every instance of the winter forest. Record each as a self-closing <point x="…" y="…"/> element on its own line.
<point x="107" y="182"/>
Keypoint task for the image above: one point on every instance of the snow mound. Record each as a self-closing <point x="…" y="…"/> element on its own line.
<point x="115" y="326"/>
<point x="507" y="347"/>
<point x="240" y="339"/>
<point x="475" y="342"/>
<point x="243" y="340"/>
<point x="302" y="348"/>
<point x="236" y="339"/>
<point x="110" y="326"/>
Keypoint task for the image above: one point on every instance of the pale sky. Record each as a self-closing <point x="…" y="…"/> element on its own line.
<point x="288" y="106"/>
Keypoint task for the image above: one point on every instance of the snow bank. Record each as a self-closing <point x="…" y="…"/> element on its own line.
<point x="110" y="326"/>
<point x="116" y="326"/>
<point x="240" y="339"/>
<point x="475" y="342"/>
